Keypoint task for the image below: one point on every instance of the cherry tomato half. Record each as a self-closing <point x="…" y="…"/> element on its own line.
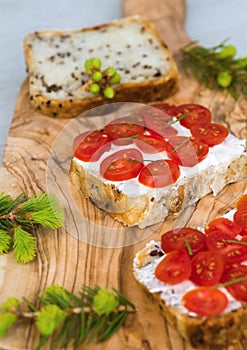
<point x="157" y="122"/>
<point x="166" y="107"/>
<point x="150" y="144"/>
<point x="207" y="268"/>
<point x="225" y="225"/>
<point x="240" y="217"/>
<point x="174" y="268"/>
<point x="237" y="289"/>
<point x="242" y="203"/>
<point x="89" y="146"/>
<point x="176" y="239"/>
<point x="122" y="165"/>
<point x="231" y="250"/>
<point x="211" y="134"/>
<point x="160" y="173"/>
<point x="149" y="113"/>
<point x="205" y="301"/>
<point x="123" y="133"/>
<point x="134" y="118"/>
<point x="186" y="152"/>
<point x="195" y="115"/>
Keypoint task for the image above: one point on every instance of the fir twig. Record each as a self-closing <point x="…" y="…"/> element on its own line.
<point x="19" y="216"/>
<point x="216" y="67"/>
<point x="93" y="315"/>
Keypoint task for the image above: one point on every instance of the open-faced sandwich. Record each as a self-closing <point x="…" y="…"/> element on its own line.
<point x="198" y="277"/>
<point x="156" y="161"/>
<point x="75" y="70"/>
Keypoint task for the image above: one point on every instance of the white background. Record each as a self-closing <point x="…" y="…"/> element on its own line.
<point x="207" y="21"/>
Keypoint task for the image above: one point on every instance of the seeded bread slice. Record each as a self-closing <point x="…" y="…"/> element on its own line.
<point x="217" y="332"/>
<point x="134" y="204"/>
<point x="57" y="77"/>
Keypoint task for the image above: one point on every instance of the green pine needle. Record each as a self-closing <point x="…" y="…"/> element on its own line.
<point x="19" y="216"/>
<point x="44" y="209"/>
<point x="24" y="246"/>
<point x="7" y="319"/>
<point x="70" y="318"/>
<point x="216" y="67"/>
<point x="10" y="304"/>
<point x="5" y="241"/>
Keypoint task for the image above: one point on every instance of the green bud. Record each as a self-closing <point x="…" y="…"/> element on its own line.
<point x="241" y="63"/>
<point x="224" y="79"/>
<point x="111" y="72"/>
<point x="96" y="62"/>
<point x="105" y="302"/>
<point x="109" y="92"/>
<point x="49" y="319"/>
<point x="94" y="88"/>
<point x="6" y="321"/>
<point x="115" y="79"/>
<point x="10" y="304"/>
<point x="88" y="66"/>
<point x="97" y="76"/>
<point x="227" y="51"/>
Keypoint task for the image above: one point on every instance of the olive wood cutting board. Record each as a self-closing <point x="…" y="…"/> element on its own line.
<point x="73" y="255"/>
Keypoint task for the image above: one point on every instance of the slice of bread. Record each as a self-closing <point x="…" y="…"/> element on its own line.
<point x="132" y="203"/>
<point x="58" y="80"/>
<point x="215" y="332"/>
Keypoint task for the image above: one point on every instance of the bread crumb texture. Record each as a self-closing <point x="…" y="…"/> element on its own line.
<point x="57" y="77"/>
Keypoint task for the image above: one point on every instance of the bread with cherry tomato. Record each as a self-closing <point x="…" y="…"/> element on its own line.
<point x="143" y="167"/>
<point x="198" y="280"/>
<point x="59" y="83"/>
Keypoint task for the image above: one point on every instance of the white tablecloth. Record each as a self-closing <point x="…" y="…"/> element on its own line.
<point x="208" y="21"/>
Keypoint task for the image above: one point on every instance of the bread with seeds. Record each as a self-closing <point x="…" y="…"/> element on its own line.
<point x="58" y="81"/>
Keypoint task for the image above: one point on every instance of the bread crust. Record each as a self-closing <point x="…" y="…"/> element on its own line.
<point x="144" y="209"/>
<point x="148" y="90"/>
<point x="215" y="332"/>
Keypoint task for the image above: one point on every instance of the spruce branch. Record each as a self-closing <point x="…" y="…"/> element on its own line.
<point x="95" y="314"/>
<point x="19" y="216"/>
<point x="216" y="67"/>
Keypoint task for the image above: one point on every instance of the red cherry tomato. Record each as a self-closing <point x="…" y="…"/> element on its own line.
<point x="196" y="115"/>
<point x="166" y="107"/>
<point x="176" y="239"/>
<point x="160" y="173"/>
<point x="150" y="144"/>
<point x="123" y="133"/>
<point x="235" y="253"/>
<point x="242" y="203"/>
<point x="134" y="119"/>
<point x="211" y="134"/>
<point x="224" y="244"/>
<point x="205" y="301"/>
<point x="149" y="113"/>
<point x="122" y="165"/>
<point x="237" y="289"/>
<point x="243" y="233"/>
<point x="225" y="225"/>
<point x="217" y="240"/>
<point x="157" y="122"/>
<point x="186" y="152"/>
<point x="89" y="146"/>
<point x="207" y="268"/>
<point x="240" y="218"/>
<point x="174" y="268"/>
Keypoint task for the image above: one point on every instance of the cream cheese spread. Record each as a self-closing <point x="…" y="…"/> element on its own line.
<point x="170" y="294"/>
<point x="219" y="158"/>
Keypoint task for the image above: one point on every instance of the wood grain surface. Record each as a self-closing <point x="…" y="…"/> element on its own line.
<point x="71" y="255"/>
